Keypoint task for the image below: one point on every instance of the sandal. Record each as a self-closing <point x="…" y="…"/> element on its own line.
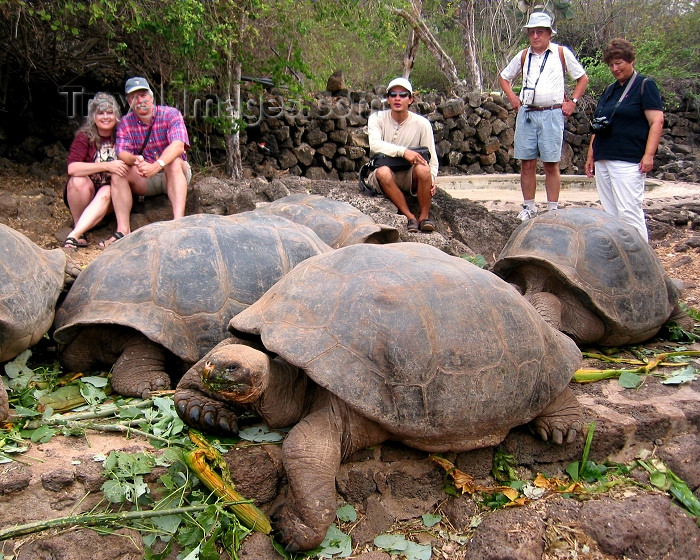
<point x="412" y="226"/>
<point x="82" y="241"/>
<point x="116" y="236"/>
<point x="427" y="225"/>
<point x="71" y="244"/>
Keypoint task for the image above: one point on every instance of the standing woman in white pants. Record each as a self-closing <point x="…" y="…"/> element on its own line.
<point x="627" y="128"/>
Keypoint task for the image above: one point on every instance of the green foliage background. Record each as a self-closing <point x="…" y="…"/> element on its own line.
<point x="301" y="42"/>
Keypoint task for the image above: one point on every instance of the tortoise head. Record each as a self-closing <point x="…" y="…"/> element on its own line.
<point x="236" y="373"/>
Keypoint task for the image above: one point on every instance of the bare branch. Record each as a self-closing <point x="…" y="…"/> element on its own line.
<point x="445" y="63"/>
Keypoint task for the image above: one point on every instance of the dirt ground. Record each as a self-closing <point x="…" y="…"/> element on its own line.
<point x="391" y="486"/>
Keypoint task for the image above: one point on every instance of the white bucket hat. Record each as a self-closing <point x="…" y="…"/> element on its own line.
<point x="539" y="19"/>
<point x="403" y="82"/>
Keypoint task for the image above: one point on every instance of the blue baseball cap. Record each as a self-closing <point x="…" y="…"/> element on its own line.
<point x="136" y="83"/>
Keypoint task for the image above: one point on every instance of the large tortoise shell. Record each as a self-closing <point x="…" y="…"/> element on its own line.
<point x="31" y="280"/>
<point x="179" y="282"/>
<point x="336" y="222"/>
<point x="424" y="343"/>
<point x="609" y="267"/>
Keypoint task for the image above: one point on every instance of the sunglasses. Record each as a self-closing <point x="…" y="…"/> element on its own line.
<point x="401" y="94"/>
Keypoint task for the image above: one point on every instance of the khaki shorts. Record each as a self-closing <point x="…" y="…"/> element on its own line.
<point x="156" y="184"/>
<point x="403" y="180"/>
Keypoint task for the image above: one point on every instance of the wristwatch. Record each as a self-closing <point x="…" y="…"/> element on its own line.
<point x="161" y="163"/>
<point x="575" y="100"/>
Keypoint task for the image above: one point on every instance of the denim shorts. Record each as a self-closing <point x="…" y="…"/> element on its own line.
<point x="542" y="137"/>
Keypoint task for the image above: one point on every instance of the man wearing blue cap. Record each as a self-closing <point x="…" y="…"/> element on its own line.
<point x="152" y="140"/>
<point x="542" y="108"/>
<point x="393" y="133"/>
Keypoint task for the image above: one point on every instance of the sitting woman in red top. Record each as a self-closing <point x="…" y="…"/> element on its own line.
<point x="91" y="163"/>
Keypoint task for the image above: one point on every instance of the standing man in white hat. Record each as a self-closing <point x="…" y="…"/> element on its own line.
<point x="393" y="133"/>
<point x="542" y="108"/>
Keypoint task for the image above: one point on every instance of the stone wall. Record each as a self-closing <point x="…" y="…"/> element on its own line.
<point x="473" y="133"/>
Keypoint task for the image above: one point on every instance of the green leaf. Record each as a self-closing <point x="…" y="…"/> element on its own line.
<point x="683" y="494"/>
<point x="682" y="375"/>
<point x="429" y="519"/>
<point x="91" y="393"/>
<point x="477" y="260"/>
<point x="592" y="472"/>
<point x="336" y="543"/>
<point x="629" y="380"/>
<point x="503" y="469"/>
<point x="346" y="513"/>
<point x="168" y="523"/>
<point x="416" y="551"/>
<point x="208" y="550"/>
<point x="22" y="411"/>
<point x="392" y="543"/>
<point x="659" y="480"/>
<point x="259" y="434"/>
<point x="114" y="491"/>
<point x="20" y="376"/>
<point x="95" y="381"/>
<point x="42" y="434"/>
<point x="139" y="488"/>
<point x="193" y="555"/>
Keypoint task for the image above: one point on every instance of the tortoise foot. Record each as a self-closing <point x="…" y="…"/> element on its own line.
<point x="140" y="386"/>
<point x="294" y="533"/>
<point x="561" y="421"/>
<point x="206" y="414"/>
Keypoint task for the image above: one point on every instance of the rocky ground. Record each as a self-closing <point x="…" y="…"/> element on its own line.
<point x="391" y="487"/>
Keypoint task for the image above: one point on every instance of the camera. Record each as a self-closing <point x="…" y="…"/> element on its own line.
<point x="601" y="125"/>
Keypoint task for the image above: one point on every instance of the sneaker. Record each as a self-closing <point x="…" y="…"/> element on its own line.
<point x="527" y="213"/>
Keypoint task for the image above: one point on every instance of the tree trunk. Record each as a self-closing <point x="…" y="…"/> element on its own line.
<point x="234" y="164"/>
<point x="411" y="50"/>
<point x="413" y="41"/>
<point x="445" y="63"/>
<point x="466" y="20"/>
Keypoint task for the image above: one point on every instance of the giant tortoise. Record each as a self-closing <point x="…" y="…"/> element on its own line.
<point x="162" y="297"/>
<point x="591" y="276"/>
<point x="31" y="281"/>
<point x="336" y="222"/>
<point x="375" y="342"/>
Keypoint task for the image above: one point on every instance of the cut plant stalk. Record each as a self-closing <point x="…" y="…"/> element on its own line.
<point x="611" y="359"/>
<point x="93" y="519"/>
<point x="101" y="411"/>
<point x="590" y="375"/>
<point x="205" y="461"/>
<point x="120" y="428"/>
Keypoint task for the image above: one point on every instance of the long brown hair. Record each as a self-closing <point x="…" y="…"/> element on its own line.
<point x="100" y="102"/>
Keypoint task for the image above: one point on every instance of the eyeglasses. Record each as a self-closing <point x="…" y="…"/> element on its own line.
<point x="401" y="94"/>
<point x="537" y="31"/>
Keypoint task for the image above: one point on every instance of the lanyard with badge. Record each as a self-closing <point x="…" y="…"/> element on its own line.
<point x="528" y="93"/>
